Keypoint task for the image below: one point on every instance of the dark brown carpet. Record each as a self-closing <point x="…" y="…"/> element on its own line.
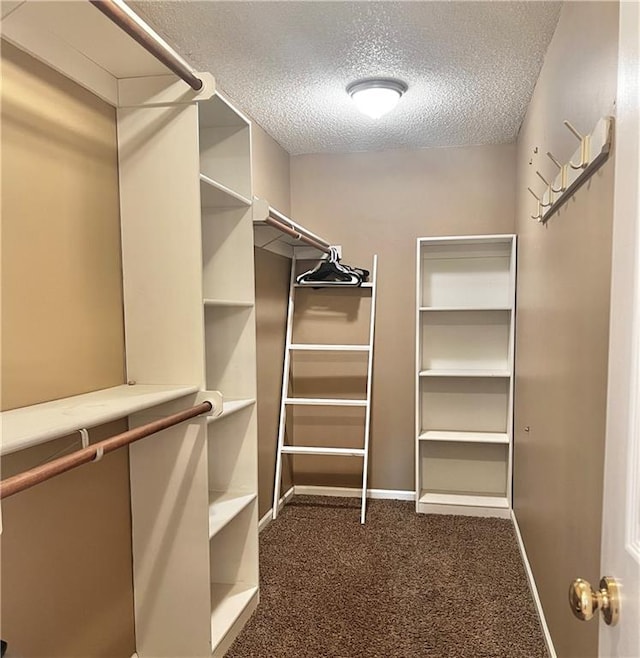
<point x="402" y="586"/>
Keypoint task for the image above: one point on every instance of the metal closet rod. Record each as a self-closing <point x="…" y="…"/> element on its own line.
<point x="298" y="235"/>
<point x="30" y="478"/>
<point x="125" y="19"/>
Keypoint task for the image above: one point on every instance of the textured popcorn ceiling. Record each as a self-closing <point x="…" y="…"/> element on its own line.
<point x="470" y="66"/>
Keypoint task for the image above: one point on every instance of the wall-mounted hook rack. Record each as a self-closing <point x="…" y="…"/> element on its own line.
<point x="592" y="153"/>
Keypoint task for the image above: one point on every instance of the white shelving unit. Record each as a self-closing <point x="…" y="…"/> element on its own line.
<point x="230" y="365"/>
<point x="465" y="318"/>
<point x="184" y="161"/>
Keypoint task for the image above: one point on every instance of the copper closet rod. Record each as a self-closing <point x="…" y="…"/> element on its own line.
<point x="148" y="40"/>
<point x="30" y="478"/>
<point x="296" y="234"/>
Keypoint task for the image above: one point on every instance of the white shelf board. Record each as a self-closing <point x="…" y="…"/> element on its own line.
<point x="300" y="347"/>
<point x="427" y="309"/>
<point x="29" y="426"/>
<point x="326" y="402"/>
<point x="228" y="602"/>
<point x="230" y="407"/>
<point x="228" y="302"/>
<point x="217" y="195"/>
<point x="464" y="437"/>
<point x="467" y="372"/>
<point x="224" y="506"/>
<point x="467" y="500"/>
<point x="305" y="450"/>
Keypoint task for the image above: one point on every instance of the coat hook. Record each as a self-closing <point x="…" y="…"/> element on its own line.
<point x="563" y="173"/>
<point x="84" y="437"/>
<point x="584" y="147"/>
<point x="538" y="199"/>
<point x="548" y="184"/>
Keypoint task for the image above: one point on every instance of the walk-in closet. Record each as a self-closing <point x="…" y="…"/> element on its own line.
<point x="319" y="329"/>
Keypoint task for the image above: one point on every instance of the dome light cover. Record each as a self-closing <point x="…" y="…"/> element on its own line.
<point x="376" y="97"/>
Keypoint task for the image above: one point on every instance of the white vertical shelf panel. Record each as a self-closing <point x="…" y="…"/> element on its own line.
<point x="169" y="502"/>
<point x="465" y="297"/>
<point x="159" y="191"/>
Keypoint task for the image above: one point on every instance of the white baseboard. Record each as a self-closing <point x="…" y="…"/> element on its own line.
<point x="266" y="519"/>
<point x="348" y="492"/>
<point x="533" y="588"/>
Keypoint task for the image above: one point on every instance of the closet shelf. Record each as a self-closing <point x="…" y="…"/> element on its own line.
<point x="228" y="602"/>
<point x="326" y="402"/>
<point x="224" y="506"/>
<point x="464" y="437"/>
<point x="428" y="309"/>
<point x="230" y="407"/>
<point x="304" y="450"/>
<point x="475" y="500"/>
<point x="310" y="347"/>
<point x="467" y="372"/>
<point x="277" y="233"/>
<point x="29" y="426"/>
<point x="228" y="302"/>
<point x="217" y="195"/>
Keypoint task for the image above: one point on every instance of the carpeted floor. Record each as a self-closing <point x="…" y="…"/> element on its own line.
<point x="402" y="586"/>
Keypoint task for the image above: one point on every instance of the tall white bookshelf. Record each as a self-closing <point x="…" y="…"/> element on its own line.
<point x="184" y="162"/>
<point x="465" y="319"/>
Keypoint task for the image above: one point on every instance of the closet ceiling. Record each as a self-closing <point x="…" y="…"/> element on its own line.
<point x="470" y="66"/>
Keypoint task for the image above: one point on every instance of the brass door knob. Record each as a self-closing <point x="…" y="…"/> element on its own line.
<point x="584" y="601"/>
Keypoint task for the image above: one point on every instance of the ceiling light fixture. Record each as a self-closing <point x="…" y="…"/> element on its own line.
<point x="376" y="97"/>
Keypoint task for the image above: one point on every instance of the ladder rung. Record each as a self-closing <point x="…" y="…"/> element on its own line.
<point x="304" y="450"/>
<point x="309" y="347"/>
<point x="326" y="402"/>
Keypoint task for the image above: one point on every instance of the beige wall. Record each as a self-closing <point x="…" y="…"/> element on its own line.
<point x="562" y="325"/>
<point x="270" y="182"/>
<point x="380" y="202"/>
<point x="66" y="544"/>
<point x="61" y="270"/>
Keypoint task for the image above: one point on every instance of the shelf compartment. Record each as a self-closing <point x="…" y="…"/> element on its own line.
<point x="217" y="195"/>
<point x="464" y="437"/>
<point x="224" y="506"/>
<point x="470" y="469"/>
<point x="229" y="349"/>
<point x="227" y="267"/>
<point x="466" y="273"/>
<point x="225" y="145"/>
<point x="466" y="340"/>
<point x="228" y="602"/>
<point x="29" y="426"/>
<point x="231" y="451"/>
<point x="464" y="404"/>
<point x="233" y="567"/>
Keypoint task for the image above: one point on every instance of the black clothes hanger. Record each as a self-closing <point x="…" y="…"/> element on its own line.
<point x="330" y="271"/>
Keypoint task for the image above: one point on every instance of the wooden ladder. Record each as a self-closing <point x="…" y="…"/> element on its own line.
<point x="287" y="401"/>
